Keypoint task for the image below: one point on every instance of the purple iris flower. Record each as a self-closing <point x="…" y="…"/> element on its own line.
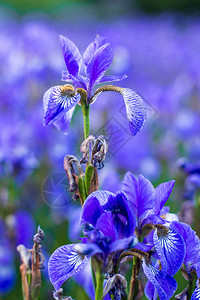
<point x="147" y="203"/>
<point x="84" y="73"/>
<point x="109" y="226"/>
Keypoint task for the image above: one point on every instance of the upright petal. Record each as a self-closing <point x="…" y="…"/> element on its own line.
<point x="55" y="101"/>
<point x="92" y="210"/>
<point x="99" y="63"/>
<point x="71" y="55"/>
<point x="63" y="263"/>
<point x="124" y="218"/>
<point x="170" y="247"/>
<point x="90" y="50"/>
<point x="164" y="284"/>
<point x="163" y="192"/>
<point x="135" y="110"/>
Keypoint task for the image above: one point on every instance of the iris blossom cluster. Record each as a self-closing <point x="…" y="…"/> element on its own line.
<point x="85" y="73"/>
<point x="132" y="222"/>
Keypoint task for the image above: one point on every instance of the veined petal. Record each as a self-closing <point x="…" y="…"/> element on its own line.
<point x="99" y="63"/>
<point x="71" y="55"/>
<point x="170" y="247"/>
<point x="55" y="101"/>
<point x="106" y="226"/>
<point x="90" y="50"/>
<point x="135" y="110"/>
<point x="164" y="283"/>
<point x="112" y="78"/>
<point x="163" y="192"/>
<point x="196" y="294"/>
<point x="63" y="263"/>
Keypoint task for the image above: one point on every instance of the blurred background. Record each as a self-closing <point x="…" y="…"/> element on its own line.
<point x="157" y="44"/>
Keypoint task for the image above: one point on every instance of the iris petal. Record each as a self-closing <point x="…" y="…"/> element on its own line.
<point x="90" y="50"/>
<point x="196" y="294"/>
<point x="55" y="102"/>
<point x="135" y="110"/>
<point x="163" y="192"/>
<point x="164" y="283"/>
<point x="63" y="263"/>
<point x="171" y="249"/>
<point x="112" y="78"/>
<point x="71" y="55"/>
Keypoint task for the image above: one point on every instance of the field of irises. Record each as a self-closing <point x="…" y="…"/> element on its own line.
<point x="100" y="158"/>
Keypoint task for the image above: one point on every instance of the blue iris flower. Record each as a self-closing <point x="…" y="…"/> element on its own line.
<point x="85" y="73"/>
<point x="109" y="225"/>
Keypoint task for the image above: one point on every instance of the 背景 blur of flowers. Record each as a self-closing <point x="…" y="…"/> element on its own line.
<point x="159" y="53"/>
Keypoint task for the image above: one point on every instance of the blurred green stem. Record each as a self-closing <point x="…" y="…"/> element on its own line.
<point x="86" y="112"/>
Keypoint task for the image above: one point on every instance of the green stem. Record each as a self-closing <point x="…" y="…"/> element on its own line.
<point x="134" y="284"/>
<point x="192" y="285"/>
<point x="99" y="285"/>
<point x="86" y="117"/>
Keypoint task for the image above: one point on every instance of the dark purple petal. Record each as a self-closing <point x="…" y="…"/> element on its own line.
<point x="123" y="217"/>
<point x="90" y="50"/>
<point x="112" y="78"/>
<point x="106" y="226"/>
<point x="164" y="284"/>
<point x="196" y="294"/>
<point x="135" y="110"/>
<point x="71" y="55"/>
<point x="163" y="192"/>
<point x="92" y="210"/>
<point x="55" y="102"/>
<point x="63" y="263"/>
<point x="98" y="65"/>
<point x="170" y="247"/>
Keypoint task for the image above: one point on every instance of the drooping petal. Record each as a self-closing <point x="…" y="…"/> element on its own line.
<point x="71" y="55"/>
<point x="170" y="247"/>
<point x="123" y="217"/>
<point x="135" y="110"/>
<point x="196" y="294"/>
<point x="55" y="102"/>
<point x="150" y="291"/>
<point x="164" y="283"/>
<point x="112" y="78"/>
<point x="62" y="121"/>
<point x="99" y="63"/>
<point x="90" y="50"/>
<point x="192" y="243"/>
<point x="163" y="192"/>
<point x="63" y="263"/>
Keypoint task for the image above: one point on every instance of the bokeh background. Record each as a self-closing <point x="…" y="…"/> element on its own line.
<point x="157" y="44"/>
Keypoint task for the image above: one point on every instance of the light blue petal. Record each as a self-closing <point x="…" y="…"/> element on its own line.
<point x="164" y="284"/>
<point x="135" y="110"/>
<point x="170" y="247"/>
<point x="90" y="50"/>
<point x="196" y="294"/>
<point x="55" y="103"/>
<point x="112" y="78"/>
<point x="63" y="263"/>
